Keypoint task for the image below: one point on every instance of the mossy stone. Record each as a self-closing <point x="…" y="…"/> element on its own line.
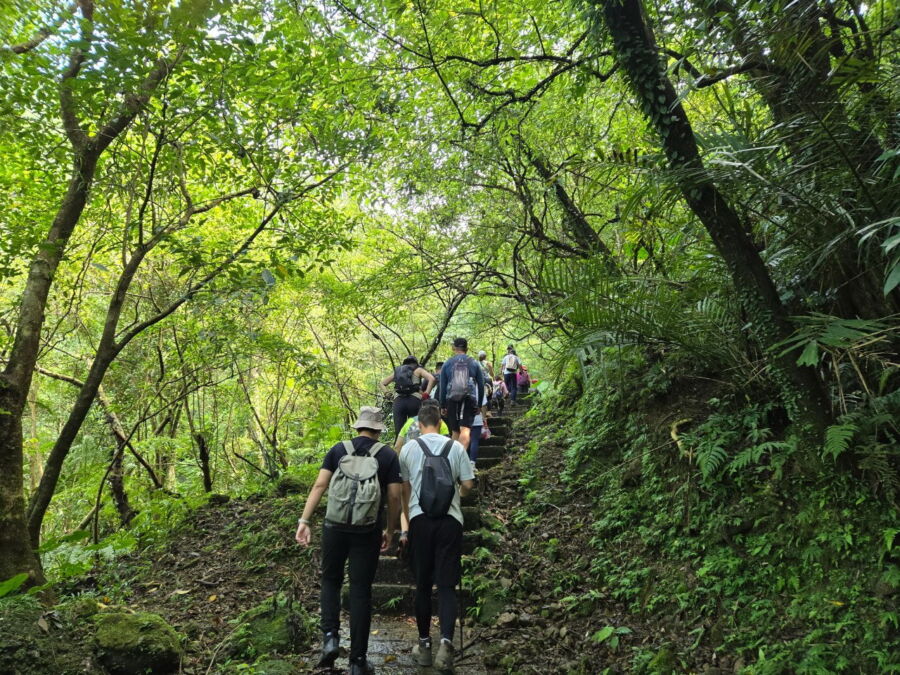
<point x="291" y="485"/>
<point x="272" y="627"/>
<point x="83" y="607"/>
<point x="131" y="644"/>
<point x="664" y="662"/>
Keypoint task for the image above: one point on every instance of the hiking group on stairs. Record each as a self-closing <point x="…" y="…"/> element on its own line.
<point x="417" y="485"/>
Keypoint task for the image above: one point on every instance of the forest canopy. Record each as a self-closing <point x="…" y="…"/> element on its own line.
<point x="222" y="223"/>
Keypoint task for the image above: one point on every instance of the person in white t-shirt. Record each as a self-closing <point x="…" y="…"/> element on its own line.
<point x="435" y="543"/>
<point x="510" y="367"/>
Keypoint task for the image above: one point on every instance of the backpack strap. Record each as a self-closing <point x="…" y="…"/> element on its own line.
<point x="348" y="446"/>
<point x="376" y="446"/>
<point x="425" y="448"/>
<point x="445" y="451"/>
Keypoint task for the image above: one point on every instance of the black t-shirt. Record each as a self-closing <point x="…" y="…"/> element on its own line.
<point x="388" y="465"/>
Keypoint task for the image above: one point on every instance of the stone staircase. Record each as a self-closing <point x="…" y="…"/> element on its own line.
<point x="394" y="589"/>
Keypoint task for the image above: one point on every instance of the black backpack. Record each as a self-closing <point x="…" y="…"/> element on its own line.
<point x="438" y="486"/>
<point x="404" y="380"/>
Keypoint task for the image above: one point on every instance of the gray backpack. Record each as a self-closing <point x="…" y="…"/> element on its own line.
<point x="354" y="494"/>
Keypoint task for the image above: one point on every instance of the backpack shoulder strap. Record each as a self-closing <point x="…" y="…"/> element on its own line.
<point x="448" y="446"/>
<point x="376" y="446"/>
<point x="348" y="446"/>
<point x="425" y="448"/>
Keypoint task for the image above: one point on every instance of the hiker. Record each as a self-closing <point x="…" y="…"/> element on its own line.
<point x="437" y="374"/>
<point x="479" y="424"/>
<point x="431" y="467"/>
<point x="500" y="394"/>
<point x="407" y="379"/>
<point x="510" y="366"/>
<point x="361" y="476"/>
<point x="411" y="430"/>
<point x="486" y="366"/>
<point x="461" y="391"/>
<point x="523" y="380"/>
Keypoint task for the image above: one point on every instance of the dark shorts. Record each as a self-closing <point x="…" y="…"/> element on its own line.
<point x="436" y="547"/>
<point x="460" y="413"/>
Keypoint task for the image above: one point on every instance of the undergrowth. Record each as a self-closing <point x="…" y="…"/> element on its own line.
<point x="710" y="515"/>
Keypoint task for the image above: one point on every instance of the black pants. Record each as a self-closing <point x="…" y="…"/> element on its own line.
<point x="510" y="379"/>
<point x="404" y="408"/>
<point x="362" y="549"/>
<point x="436" y="546"/>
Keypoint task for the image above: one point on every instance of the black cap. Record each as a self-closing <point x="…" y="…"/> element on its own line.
<point x="461" y="343"/>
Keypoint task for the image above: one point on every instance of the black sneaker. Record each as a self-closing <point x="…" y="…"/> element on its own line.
<point x="330" y="650"/>
<point x="361" y="667"/>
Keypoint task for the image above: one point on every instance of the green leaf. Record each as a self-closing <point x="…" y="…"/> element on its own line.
<point x="893" y="278"/>
<point x="603" y="634"/>
<point x="810" y="355"/>
<point x="13" y="584"/>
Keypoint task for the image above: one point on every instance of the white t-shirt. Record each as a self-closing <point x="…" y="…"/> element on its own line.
<point x="412" y="461"/>
<point x="511" y="362"/>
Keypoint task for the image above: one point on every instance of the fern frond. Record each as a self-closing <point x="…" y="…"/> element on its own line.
<point x="837" y="439"/>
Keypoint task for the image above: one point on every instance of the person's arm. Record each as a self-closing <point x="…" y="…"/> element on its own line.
<point x="393" y="504"/>
<point x="312" y="501"/>
<point x="491" y="370"/>
<point x="442" y="391"/>
<point x="401" y="441"/>
<point x="385" y="382"/>
<point x="428" y="377"/>
<point x="465" y="487"/>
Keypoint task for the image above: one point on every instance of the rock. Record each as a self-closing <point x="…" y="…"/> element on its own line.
<point x="83" y="607"/>
<point x="663" y="663"/>
<point x="291" y="485"/>
<point x="505" y="583"/>
<point x="507" y="619"/>
<point x="133" y="644"/>
<point x="218" y="500"/>
<point x="275" y="626"/>
<point x="492" y="605"/>
<point x="563" y="632"/>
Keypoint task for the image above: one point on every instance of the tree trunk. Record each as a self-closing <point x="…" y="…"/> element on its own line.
<point x="639" y="56"/>
<point x="203" y="454"/>
<point x="117" y="486"/>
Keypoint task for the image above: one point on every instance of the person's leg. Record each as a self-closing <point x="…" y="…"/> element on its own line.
<point x="420" y="540"/>
<point x="474" y="442"/>
<point x="466" y="417"/>
<point x="454" y="409"/>
<point x="334" y="555"/>
<point x="402" y="407"/>
<point x="364" y="550"/>
<point x="448" y="568"/>
<point x="510" y="379"/>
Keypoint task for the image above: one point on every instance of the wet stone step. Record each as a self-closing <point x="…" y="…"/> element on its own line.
<point x="487" y="462"/>
<point x="393" y="570"/>
<point x="490" y="453"/>
<point x="396" y="598"/>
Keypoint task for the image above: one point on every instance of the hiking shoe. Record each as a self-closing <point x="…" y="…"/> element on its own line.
<point x="422" y="653"/>
<point x="361" y="667"/>
<point x="444" y="659"/>
<point x="330" y="650"/>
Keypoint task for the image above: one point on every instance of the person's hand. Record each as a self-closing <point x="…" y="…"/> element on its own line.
<point x="386" y="537"/>
<point x="443" y="412"/>
<point x="303" y="534"/>
<point x="404" y="545"/>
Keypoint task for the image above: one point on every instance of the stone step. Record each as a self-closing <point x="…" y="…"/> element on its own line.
<point x="490" y="453"/>
<point x="393" y="570"/>
<point x="491" y="443"/>
<point x="471" y="517"/>
<point x="397" y="598"/>
<point x="487" y="462"/>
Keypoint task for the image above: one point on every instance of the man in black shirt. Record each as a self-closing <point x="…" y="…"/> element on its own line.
<point x="360" y="547"/>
